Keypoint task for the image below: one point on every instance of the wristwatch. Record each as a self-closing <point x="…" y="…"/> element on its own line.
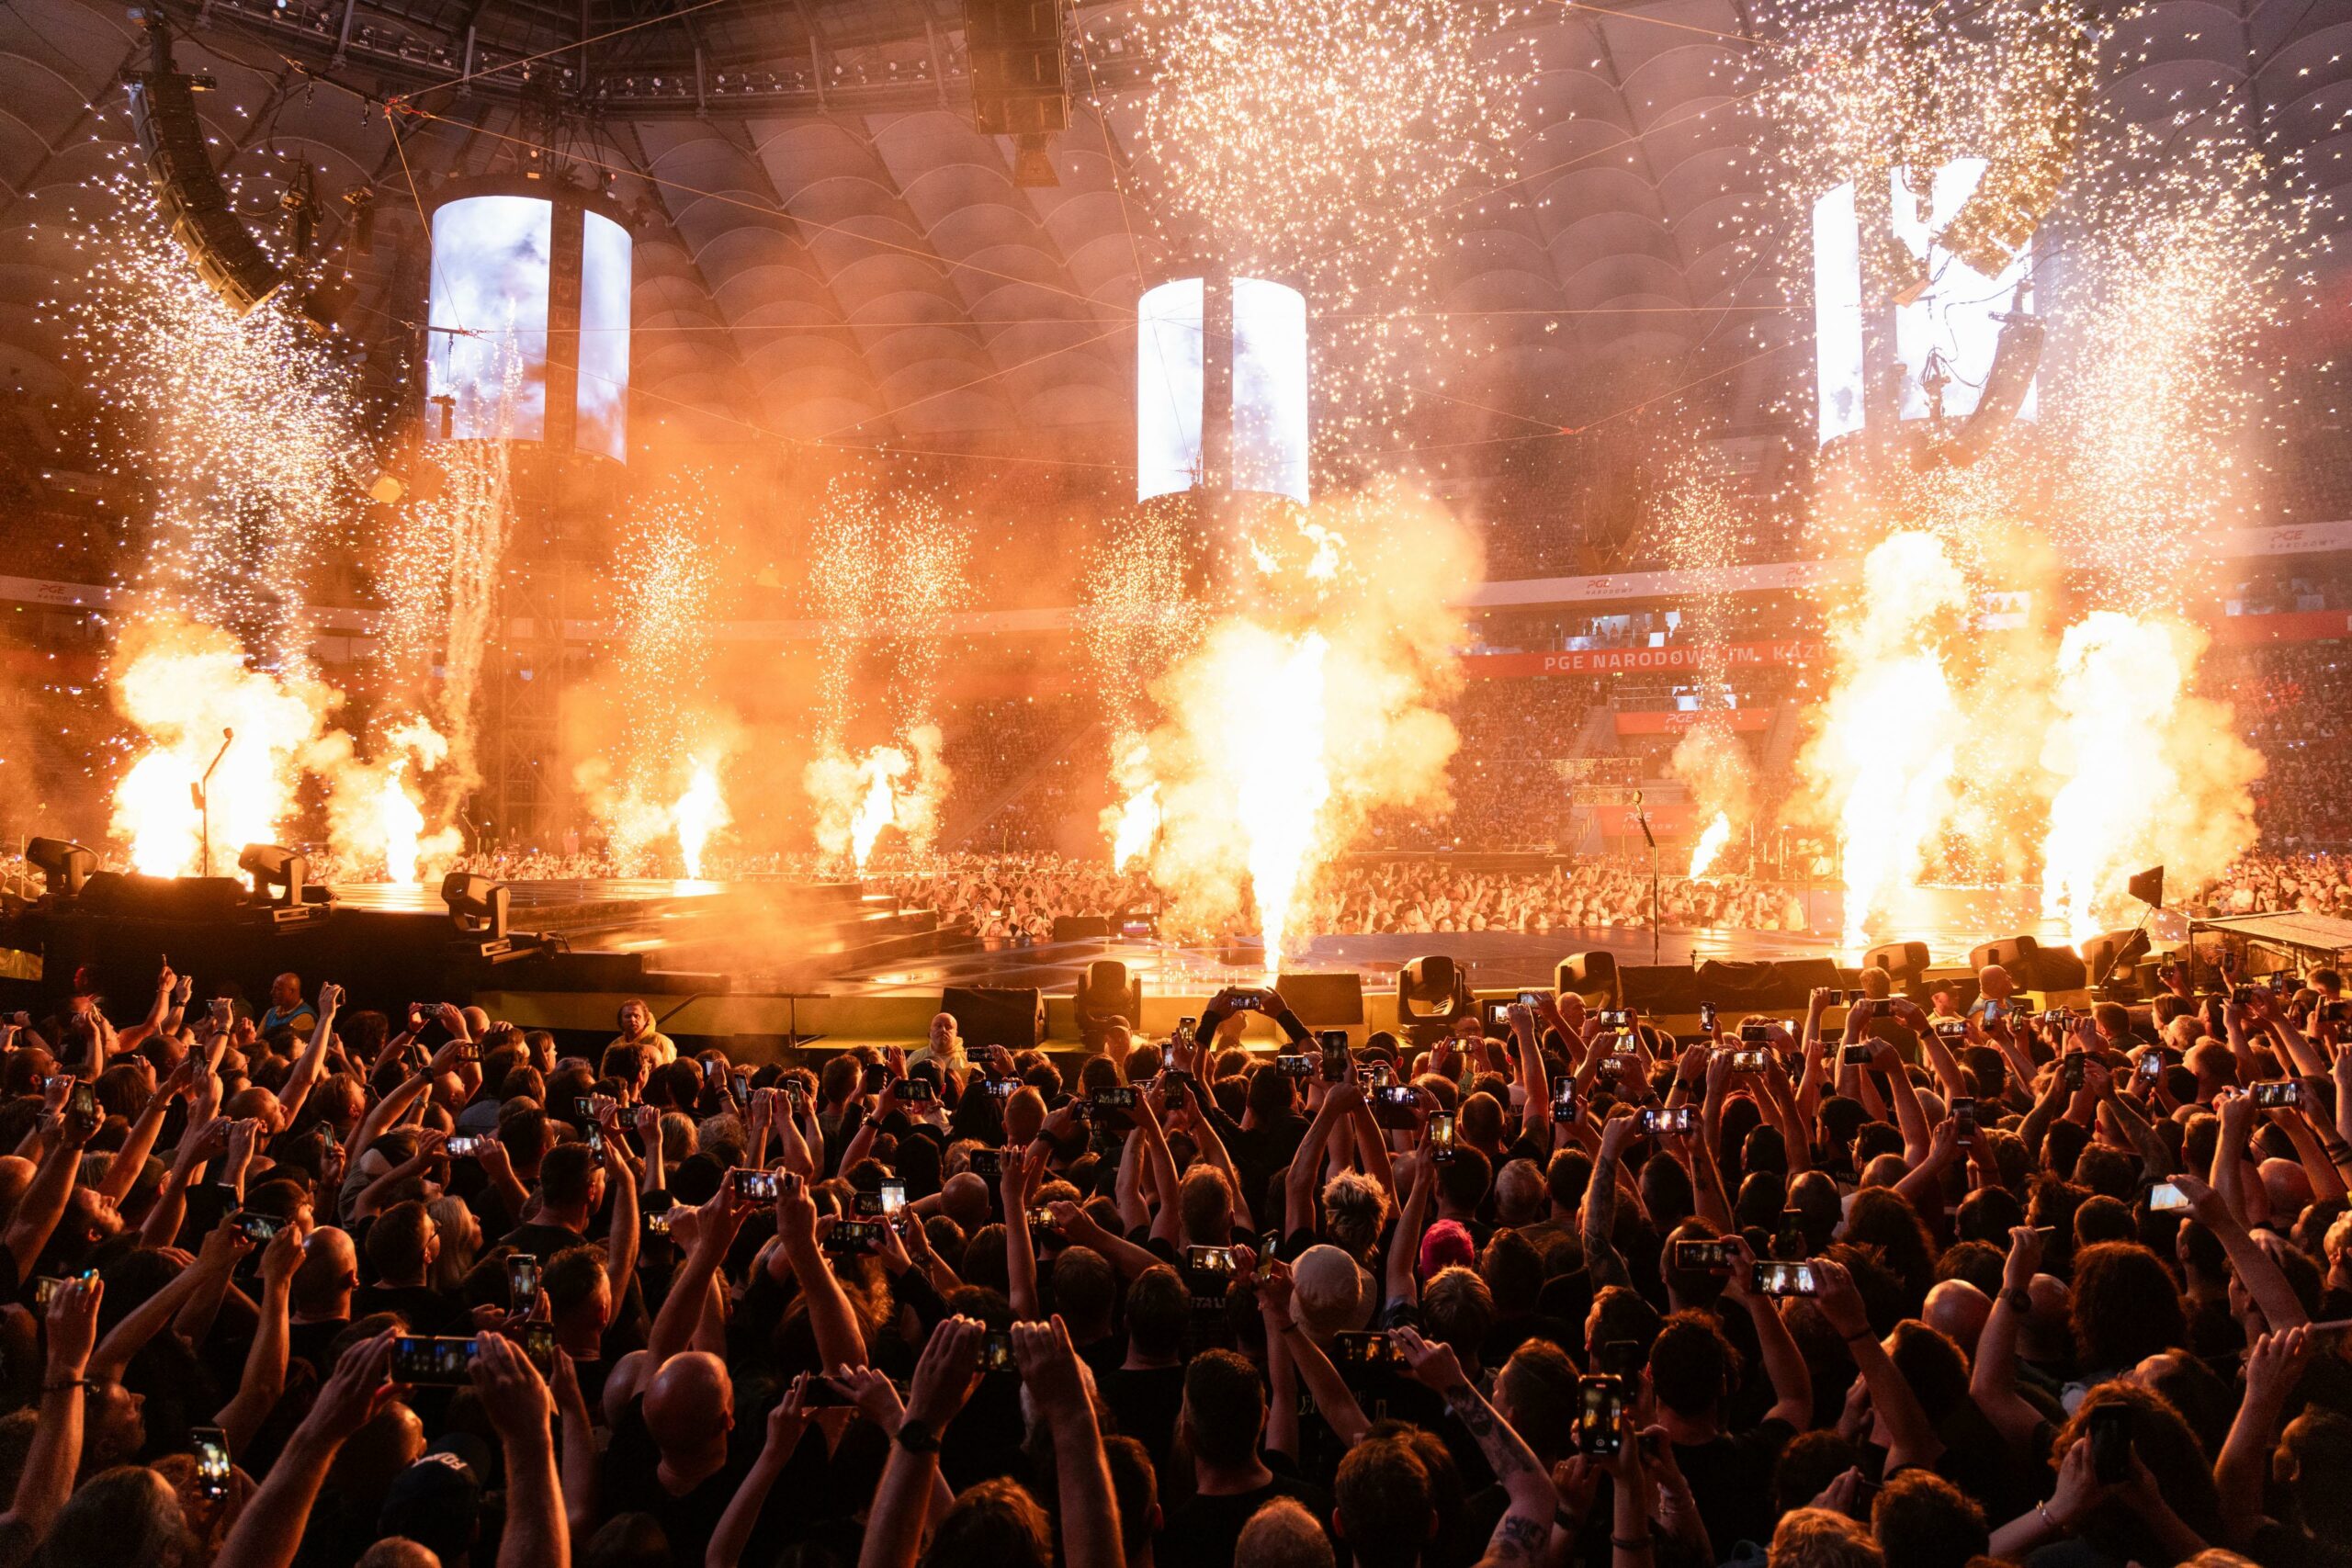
<point x="916" y="1437"/>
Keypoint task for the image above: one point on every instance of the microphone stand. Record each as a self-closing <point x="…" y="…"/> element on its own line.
<point x="1658" y="906"/>
<point x="204" y="805"/>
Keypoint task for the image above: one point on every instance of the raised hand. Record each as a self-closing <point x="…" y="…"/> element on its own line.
<point x="1432" y="1362"/>
<point x="946" y="1372"/>
<point x="516" y="1397"/>
<point x="357" y="1389"/>
<point x="1048" y="1365"/>
<point x="71" y="1323"/>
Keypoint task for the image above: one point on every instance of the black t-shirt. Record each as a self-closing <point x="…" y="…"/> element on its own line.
<point x="423" y="1308"/>
<point x="631" y="1482"/>
<point x="1146" y="1401"/>
<point x="312" y="1341"/>
<point x="1731" y="1480"/>
<point x="1203" y="1532"/>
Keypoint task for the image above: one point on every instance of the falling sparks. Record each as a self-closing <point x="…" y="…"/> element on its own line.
<point x="884" y="577"/>
<point x="438" y="574"/>
<point x="1323" y="142"/>
<point x="250" y="453"/>
<point x="657" y="749"/>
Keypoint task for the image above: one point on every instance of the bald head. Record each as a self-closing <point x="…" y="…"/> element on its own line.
<point x="1958" y="1310"/>
<point x="325" y="1278"/>
<point x="690" y="1403"/>
<point x="399" y="1552"/>
<point x="1993" y="981"/>
<point x="966" y="1198"/>
<point x="2287" y="1184"/>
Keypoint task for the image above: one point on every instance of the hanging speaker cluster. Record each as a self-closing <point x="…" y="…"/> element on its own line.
<point x="187" y="188"/>
<point x="1019" y="79"/>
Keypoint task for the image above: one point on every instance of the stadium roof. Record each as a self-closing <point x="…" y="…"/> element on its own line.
<point x="826" y="248"/>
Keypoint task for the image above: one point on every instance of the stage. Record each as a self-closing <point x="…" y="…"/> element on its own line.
<point x="762" y="962"/>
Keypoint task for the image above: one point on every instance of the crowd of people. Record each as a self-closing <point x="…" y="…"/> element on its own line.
<point x="1015" y="898"/>
<point x="1924" y="1283"/>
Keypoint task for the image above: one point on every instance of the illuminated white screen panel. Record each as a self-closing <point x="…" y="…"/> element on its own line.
<point x="604" y="338"/>
<point x="1838" y="311"/>
<point x="1170" y="382"/>
<point x="1958" y="318"/>
<point x="1269" y="388"/>
<point x="488" y="311"/>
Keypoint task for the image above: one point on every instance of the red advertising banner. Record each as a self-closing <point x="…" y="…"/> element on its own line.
<point x="1675" y="721"/>
<point x="1609" y="660"/>
<point x="1669" y="820"/>
<point x="2290" y="625"/>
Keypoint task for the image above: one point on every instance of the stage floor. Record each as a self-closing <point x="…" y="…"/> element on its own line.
<point x="836" y="938"/>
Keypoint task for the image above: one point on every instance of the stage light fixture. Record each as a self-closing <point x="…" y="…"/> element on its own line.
<point x="477" y="907"/>
<point x="65" y="866"/>
<point x="1221" y="388"/>
<point x="1432" y="993"/>
<point x="1105" y="990"/>
<point x="279" y="874"/>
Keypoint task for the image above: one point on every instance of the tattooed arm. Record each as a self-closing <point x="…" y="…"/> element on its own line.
<point x="1601" y="1206"/>
<point x="1524" y="1533"/>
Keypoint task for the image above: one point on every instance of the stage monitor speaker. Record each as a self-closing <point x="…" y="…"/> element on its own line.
<point x="1657" y="989"/>
<point x="130" y="896"/>
<point x="1906" y="962"/>
<point x="65" y="866"/>
<point x="189" y="191"/>
<point x="1010" y="1016"/>
<point x="1592" y="975"/>
<point x="2033" y="967"/>
<point x="477" y="906"/>
<point x="2113" y="955"/>
<point x="279" y="874"/>
<point x="1323" y="1001"/>
<point x="1019" y="75"/>
<point x="1765" y="986"/>
<point x="1081" y="927"/>
<point x="1105" y="991"/>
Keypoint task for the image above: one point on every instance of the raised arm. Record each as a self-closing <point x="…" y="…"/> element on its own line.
<point x="1910" y="1437"/>
<point x="1090" y="1511"/>
<point x="1524" y="1532"/>
<point x="941" y="1382"/>
<point x="269" y="1529"/>
<point x="2264" y="1280"/>
<point x="839" y="1342"/>
<point x="623" y="1234"/>
<point x="710" y="1231"/>
<point x="1784" y="1364"/>
<point x="516" y="1398"/>
<point x="313" y="1063"/>
<point x="787" y="1424"/>
<point x="1287" y="1341"/>
<point x="43" y="1203"/>
<point x="2273" y="1366"/>
<point x="1015" y="1179"/>
<point x="1401" y="1283"/>
<point x="1300" y="1182"/>
<point x="1993" y="1382"/>
<point x="55" y="1452"/>
<point x="1601" y="1255"/>
<point x="263" y="1379"/>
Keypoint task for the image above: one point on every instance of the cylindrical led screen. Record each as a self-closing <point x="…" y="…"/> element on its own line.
<point x="486" y="361"/>
<point x="604" y="255"/>
<point x="1263" y="350"/>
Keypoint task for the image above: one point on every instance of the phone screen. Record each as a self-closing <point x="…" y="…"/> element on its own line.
<point x="1601" y="1400"/>
<point x="212" y="1462"/>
